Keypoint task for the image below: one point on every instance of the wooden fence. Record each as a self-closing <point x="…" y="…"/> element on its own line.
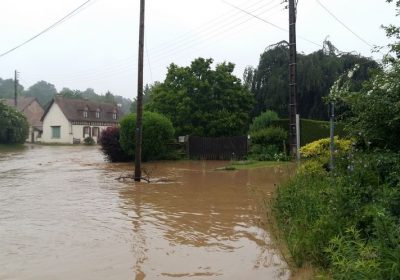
<point x="221" y="148"/>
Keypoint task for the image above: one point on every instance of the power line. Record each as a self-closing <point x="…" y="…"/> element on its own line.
<point x="343" y="24"/>
<point x="205" y="40"/>
<point x="211" y="25"/>
<point x="270" y="23"/>
<point x="69" y="15"/>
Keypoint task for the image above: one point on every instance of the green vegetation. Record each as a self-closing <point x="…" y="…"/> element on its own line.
<point x="317" y="72"/>
<point x="347" y="221"/>
<point x="89" y="141"/>
<point x="157" y="137"/>
<point x="250" y="164"/>
<point x="14" y="127"/>
<point x="267" y="141"/>
<point x="263" y="121"/>
<point x="201" y="101"/>
<point x="44" y="93"/>
<point x="311" y="130"/>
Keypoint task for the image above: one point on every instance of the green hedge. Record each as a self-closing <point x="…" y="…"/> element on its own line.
<point x="311" y="130"/>
<point x="158" y="133"/>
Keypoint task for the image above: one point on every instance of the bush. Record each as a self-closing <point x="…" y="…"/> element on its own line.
<point x="266" y="153"/>
<point x="14" y="127"/>
<point x="89" y="141"/>
<point x="109" y="141"/>
<point x="158" y="134"/>
<point x="321" y="148"/>
<point x="263" y="121"/>
<point x="269" y="136"/>
<point x="347" y="222"/>
<point x="311" y="130"/>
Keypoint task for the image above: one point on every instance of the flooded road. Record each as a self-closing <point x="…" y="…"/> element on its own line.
<point x="63" y="215"/>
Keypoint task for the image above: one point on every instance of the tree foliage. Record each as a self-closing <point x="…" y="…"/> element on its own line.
<point x="158" y="133"/>
<point x="7" y="88"/>
<point x="110" y="146"/>
<point x="43" y="91"/>
<point x="201" y="101"/>
<point x="14" y="127"/>
<point x="316" y="74"/>
<point x="264" y="120"/>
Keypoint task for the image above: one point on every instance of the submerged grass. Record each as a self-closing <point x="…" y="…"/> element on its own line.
<point x="251" y="164"/>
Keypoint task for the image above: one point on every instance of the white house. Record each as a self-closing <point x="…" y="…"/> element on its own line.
<point x="69" y="121"/>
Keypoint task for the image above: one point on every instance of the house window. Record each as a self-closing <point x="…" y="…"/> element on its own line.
<point x="56" y="132"/>
<point x="86" y="131"/>
<point x="114" y="116"/>
<point x="97" y="114"/>
<point x="85" y="114"/>
<point x="95" y="131"/>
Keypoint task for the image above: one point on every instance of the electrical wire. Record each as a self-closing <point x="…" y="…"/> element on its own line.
<point x="270" y="23"/>
<point x="343" y="24"/>
<point x="66" y="17"/>
<point x="187" y="46"/>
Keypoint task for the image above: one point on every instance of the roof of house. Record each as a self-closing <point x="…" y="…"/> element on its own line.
<point x="74" y="109"/>
<point x="22" y="103"/>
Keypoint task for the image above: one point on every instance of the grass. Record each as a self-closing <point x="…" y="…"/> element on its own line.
<point x="251" y="164"/>
<point x="11" y="147"/>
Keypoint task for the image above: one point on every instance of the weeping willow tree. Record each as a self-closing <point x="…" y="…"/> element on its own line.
<point x="317" y="72"/>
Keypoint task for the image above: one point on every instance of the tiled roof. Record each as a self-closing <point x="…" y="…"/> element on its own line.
<point x="74" y="109"/>
<point x="22" y="103"/>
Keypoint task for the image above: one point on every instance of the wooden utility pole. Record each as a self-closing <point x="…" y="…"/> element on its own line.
<point x="292" y="77"/>
<point x="16" y="88"/>
<point x="139" y="108"/>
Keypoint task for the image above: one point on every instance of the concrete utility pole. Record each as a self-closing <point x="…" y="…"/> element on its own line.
<point x="16" y="88"/>
<point x="139" y="108"/>
<point x="292" y="77"/>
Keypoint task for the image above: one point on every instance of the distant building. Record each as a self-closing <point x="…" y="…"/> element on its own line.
<point x="33" y="111"/>
<point x="70" y="121"/>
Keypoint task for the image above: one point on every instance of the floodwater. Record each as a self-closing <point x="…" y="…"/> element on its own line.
<point x="63" y="215"/>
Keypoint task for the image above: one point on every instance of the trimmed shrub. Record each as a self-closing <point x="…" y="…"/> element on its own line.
<point x="14" y="127"/>
<point x="158" y="134"/>
<point x="269" y="136"/>
<point x="263" y="121"/>
<point x="89" y="141"/>
<point x="109" y="141"/>
<point x="320" y="148"/>
<point x="311" y="130"/>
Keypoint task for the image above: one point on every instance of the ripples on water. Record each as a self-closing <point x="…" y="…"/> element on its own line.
<point x="64" y="216"/>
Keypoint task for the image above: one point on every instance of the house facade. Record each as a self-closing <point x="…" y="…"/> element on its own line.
<point x="33" y="112"/>
<point x="69" y="121"/>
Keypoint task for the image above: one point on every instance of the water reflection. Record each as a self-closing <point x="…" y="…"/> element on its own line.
<point x="64" y="216"/>
<point x="204" y="217"/>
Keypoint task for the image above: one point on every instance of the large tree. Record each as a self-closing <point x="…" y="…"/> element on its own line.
<point x="202" y="101"/>
<point x="7" y="89"/>
<point x="43" y="91"/>
<point x="317" y="72"/>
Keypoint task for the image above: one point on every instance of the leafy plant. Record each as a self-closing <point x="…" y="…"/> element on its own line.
<point x="263" y="121"/>
<point x="110" y="146"/>
<point x="14" y="127"/>
<point x="89" y="141"/>
<point x="158" y="134"/>
<point x="202" y="101"/>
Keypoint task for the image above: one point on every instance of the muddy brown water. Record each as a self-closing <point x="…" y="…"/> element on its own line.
<point x="63" y="215"/>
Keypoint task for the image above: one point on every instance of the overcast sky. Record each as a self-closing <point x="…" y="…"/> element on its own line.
<point x="97" y="48"/>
